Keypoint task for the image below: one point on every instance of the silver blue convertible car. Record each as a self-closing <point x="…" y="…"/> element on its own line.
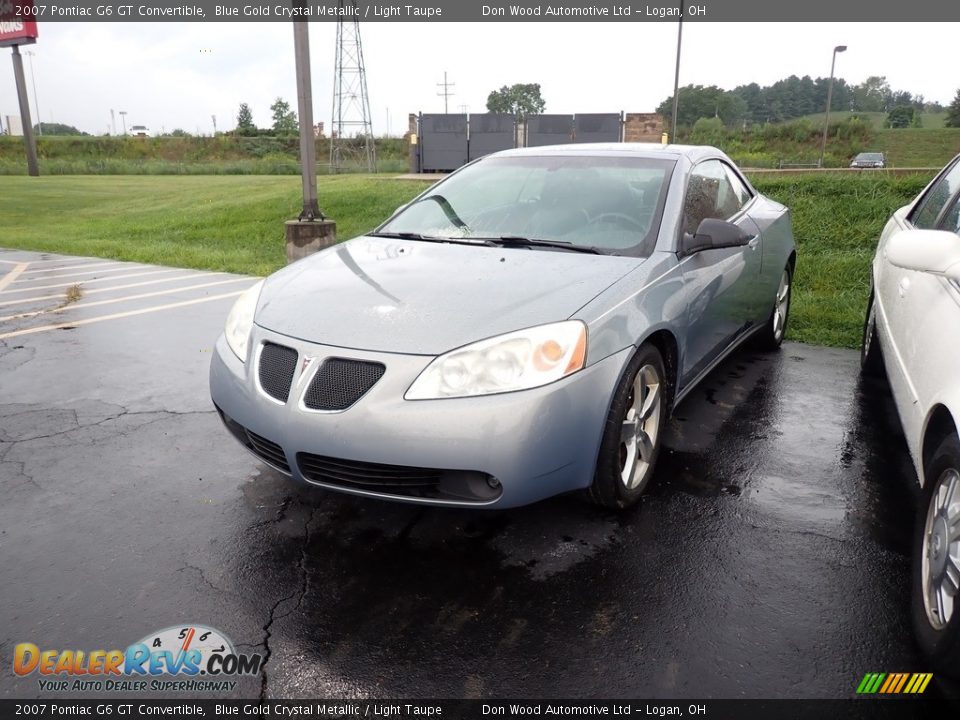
<point x="521" y="329"/>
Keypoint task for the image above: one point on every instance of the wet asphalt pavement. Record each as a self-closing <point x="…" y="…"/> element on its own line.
<point x="770" y="558"/>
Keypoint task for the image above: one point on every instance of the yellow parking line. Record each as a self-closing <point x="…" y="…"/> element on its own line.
<point x="117" y="316"/>
<point x="11" y="276"/>
<point x="21" y="301"/>
<point x="76" y="267"/>
<point x="157" y="293"/>
<point x="68" y="284"/>
<point x="130" y="266"/>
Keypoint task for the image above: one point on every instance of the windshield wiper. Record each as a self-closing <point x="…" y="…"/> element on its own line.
<point x="425" y="238"/>
<point x="520" y="241"/>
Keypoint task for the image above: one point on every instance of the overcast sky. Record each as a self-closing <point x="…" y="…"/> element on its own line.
<point x="176" y="75"/>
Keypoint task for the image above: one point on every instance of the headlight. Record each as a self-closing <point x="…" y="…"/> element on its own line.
<point x="240" y="321"/>
<point x="515" y="361"/>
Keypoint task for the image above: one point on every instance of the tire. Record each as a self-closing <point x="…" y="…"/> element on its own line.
<point x="936" y="561"/>
<point x="771" y="336"/>
<point x="871" y="359"/>
<point x="624" y="468"/>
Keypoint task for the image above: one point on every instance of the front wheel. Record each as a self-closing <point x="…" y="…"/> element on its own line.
<point x="631" y="438"/>
<point x="772" y="334"/>
<point x="936" y="560"/>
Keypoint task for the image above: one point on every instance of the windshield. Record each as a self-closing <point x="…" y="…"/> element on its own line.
<point x="870" y="157"/>
<point x="613" y="204"/>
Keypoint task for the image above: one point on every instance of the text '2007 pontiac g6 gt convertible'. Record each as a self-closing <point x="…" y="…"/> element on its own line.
<point x="521" y="329"/>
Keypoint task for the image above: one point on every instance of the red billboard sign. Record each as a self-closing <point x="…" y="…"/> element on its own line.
<point x="18" y="25"/>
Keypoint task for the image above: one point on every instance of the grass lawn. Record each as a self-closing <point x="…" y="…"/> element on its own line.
<point x="232" y="223"/>
<point x="235" y="223"/>
<point x="836" y="222"/>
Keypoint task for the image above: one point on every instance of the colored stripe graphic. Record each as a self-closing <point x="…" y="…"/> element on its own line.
<point x="894" y="683"/>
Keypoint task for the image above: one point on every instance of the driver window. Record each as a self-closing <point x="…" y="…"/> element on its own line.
<point x="710" y="195"/>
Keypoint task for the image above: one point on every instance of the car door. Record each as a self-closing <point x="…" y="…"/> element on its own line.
<point x="719" y="284"/>
<point x="916" y="308"/>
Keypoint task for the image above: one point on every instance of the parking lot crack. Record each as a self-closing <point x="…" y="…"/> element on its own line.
<point x="124" y="413"/>
<point x="297" y="595"/>
<point x="203" y="576"/>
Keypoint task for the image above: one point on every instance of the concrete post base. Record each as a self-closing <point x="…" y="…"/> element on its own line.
<point x="307" y="237"/>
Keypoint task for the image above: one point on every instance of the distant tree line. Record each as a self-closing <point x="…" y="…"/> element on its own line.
<point x="791" y="98"/>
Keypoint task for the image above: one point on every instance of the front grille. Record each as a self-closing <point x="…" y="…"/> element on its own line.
<point x="365" y="475"/>
<point x="339" y="383"/>
<point x="269" y="451"/>
<point x="277" y="365"/>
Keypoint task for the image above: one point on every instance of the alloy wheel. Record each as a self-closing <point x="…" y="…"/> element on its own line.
<point x="782" y="306"/>
<point x="641" y="425"/>
<point x="940" y="569"/>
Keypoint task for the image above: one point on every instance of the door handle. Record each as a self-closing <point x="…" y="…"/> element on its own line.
<point x="754" y="242"/>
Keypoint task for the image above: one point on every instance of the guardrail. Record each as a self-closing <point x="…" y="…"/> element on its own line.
<point x="812" y="170"/>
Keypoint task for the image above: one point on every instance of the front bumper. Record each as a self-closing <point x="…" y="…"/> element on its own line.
<point x="492" y="451"/>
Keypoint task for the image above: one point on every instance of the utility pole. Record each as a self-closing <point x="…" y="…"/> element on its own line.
<point x="123" y="117"/>
<point x="113" y="123"/>
<point x="676" y="82"/>
<point x="311" y="231"/>
<point x="214" y="118"/>
<point x="33" y="167"/>
<point x="446" y="92"/>
<point x="36" y="103"/>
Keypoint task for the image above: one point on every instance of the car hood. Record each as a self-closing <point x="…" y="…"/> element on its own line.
<point x="427" y="298"/>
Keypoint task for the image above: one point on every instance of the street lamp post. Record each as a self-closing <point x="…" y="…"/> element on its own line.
<point x="123" y="118"/>
<point x="676" y="83"/>
<point x="36" y="103"/>
<point x="826" y="119"/>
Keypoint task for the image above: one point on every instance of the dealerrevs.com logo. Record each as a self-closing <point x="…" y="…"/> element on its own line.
<point x="192" y="658"/>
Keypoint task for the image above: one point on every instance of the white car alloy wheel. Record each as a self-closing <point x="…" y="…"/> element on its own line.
<point x="940" y="563"/>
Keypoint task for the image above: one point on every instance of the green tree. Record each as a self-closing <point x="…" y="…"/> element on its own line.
<point x="698" y="101"/>
<point x="519" y="99"/>
<point x="284" y="119"/>
<point x="245" y="125"/>
<point x="872" y="95"/>
<point x="902" y="116"/>
<point x="179" y="132"/>
<point x="953" y="112"/>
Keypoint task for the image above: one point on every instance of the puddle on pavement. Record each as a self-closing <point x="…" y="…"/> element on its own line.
<point x="795" y="499"/>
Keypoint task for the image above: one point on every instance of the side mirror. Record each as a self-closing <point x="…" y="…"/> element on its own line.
<point x="713" y="234"/>
<point x="931" y="251"/>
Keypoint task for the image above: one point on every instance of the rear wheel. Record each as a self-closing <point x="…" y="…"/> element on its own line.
<point x="936" y="560"/>
<point x="631" y="438"/>
<point x="871" y="362"/>
<point x="771" y="336"/>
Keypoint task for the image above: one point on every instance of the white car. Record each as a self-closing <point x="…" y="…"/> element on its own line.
<point x="912" y="331"/>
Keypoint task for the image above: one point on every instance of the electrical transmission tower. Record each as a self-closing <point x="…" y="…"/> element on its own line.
<point x="446" y="94"/>
<point x="351" y="134"/>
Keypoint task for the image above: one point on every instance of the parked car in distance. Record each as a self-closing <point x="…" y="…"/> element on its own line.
<point x="912" y="335"/>
<point x="522" y="328"/>
<point x="139" y="131"/>
<point x="869" y="160"/>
